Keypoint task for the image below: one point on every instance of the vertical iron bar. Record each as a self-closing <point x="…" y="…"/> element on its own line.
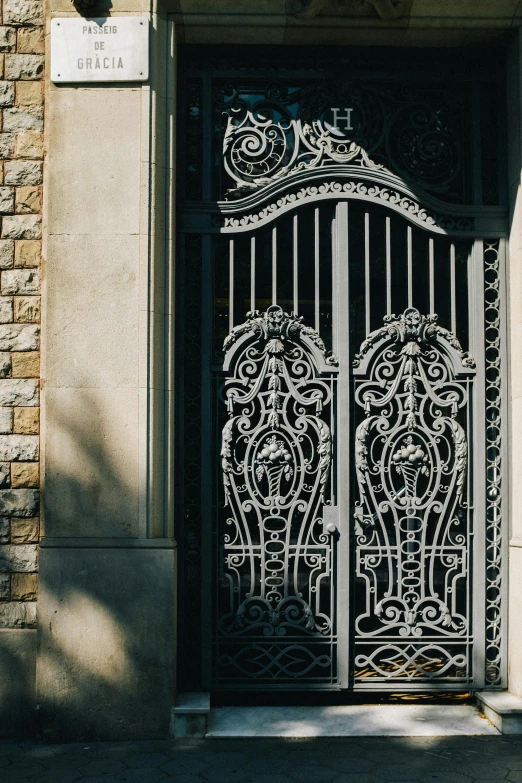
<point x="207" y="519"/>
<point x="274" y="265"/>
<point x="316" y="268"/>
<point x="206" y="399"/>
<point x="431" y="253"/>
<point x="343" y="454"/>
<point x="230" y="285"/>
<point x="477" y="550"/>
<point x="335" y="289"/>
<point x="296" y="264"/>
<point x="388" y="267"/>
<point x="452" y="290"/>
<point x="410" y="268"/>
<point x="253" y="273"/>
<point x="367" y="269"/>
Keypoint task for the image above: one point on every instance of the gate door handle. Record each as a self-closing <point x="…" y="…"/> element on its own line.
<point x="330" y="520"/>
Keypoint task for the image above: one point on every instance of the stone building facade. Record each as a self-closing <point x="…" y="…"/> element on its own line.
<point x="106" y="587"/>
<point x="22" y="145"/>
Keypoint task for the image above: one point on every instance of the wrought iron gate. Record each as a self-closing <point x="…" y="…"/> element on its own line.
<point x="340" y="376"/>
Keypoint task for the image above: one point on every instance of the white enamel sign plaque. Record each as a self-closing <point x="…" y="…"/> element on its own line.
<point x="114" y="49"/>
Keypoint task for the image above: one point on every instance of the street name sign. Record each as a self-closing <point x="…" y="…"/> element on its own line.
<point x="108" y="49"/>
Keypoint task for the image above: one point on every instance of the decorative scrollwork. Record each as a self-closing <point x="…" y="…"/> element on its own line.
<point x="352" y="189"/>
<point x="409" y="662"/>
<point x="411" y="132"/>
<point x="411" y="516"/>
<point x="276" y="452"/>
<point x="257" y="150"/>
<point x="494" y="526"/>
<point x="410" y="326"/>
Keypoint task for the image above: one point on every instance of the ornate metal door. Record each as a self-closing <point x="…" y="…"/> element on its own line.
<point x="342" y="421"/>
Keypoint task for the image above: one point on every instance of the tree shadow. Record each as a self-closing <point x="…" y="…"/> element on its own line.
<point x="105" y="655"/>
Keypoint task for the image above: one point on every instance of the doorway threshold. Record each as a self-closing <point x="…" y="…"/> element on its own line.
<point x="354" y="720"/>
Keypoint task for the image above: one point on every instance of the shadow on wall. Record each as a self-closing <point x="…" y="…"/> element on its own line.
<point x="106" y="609"/>
<point x="17" y="682"/>
<point x="91" y="463"/>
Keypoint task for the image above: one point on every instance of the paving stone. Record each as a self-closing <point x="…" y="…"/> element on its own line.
<point x="440" y="776"/>
<point x="11" y="748"/>
<point x="275" y="777"/>
<point x="316" y="771"/>
<point x="22" y="771"/>
<point x="193" y="744"/>
<point x="180" y="766"/>
<point x="482" y="770"/>
<point x="230" y="775"/>
<point x="373" y="760"/>
<point x="102" y="767"/>
<point x="351" y="763"/>
<point x="304" y="757"/>
<point x="57" y="776"/>
<point x="149" y="746"/>
<point x="188" y="779"/>
<point x="357" y="777"/>
<point x="37" y="752"/>
<point x="513" y="762"/>
<point x="226" y="757"/>
<point x="397" y="772"/>
<point x="143" y="775"/>
<point x="137" y="760"/>
<point x="69" y="762"/>
<point x="219" y="746"/>
<point x="265" y="766"/>
<point x="99" y="779"/>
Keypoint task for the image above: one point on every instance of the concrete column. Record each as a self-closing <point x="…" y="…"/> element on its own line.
<point x="106" y="638"/>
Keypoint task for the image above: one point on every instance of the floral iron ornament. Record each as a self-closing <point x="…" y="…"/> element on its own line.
<point x="276" y="454"/>
<point x="412" y="516"/>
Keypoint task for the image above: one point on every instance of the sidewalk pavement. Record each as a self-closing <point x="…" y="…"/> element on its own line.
<point x="484" y="759"/>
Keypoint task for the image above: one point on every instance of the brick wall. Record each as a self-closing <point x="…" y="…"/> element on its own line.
<point x="21" y="160"/>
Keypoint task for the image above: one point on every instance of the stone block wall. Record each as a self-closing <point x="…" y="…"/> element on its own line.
<point x="21" y="163"/>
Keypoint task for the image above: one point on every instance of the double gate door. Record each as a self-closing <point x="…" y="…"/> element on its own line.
<point x="342" y="497"/>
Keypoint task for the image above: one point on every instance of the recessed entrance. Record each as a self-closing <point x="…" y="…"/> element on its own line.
<point x="340" y="362"/>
